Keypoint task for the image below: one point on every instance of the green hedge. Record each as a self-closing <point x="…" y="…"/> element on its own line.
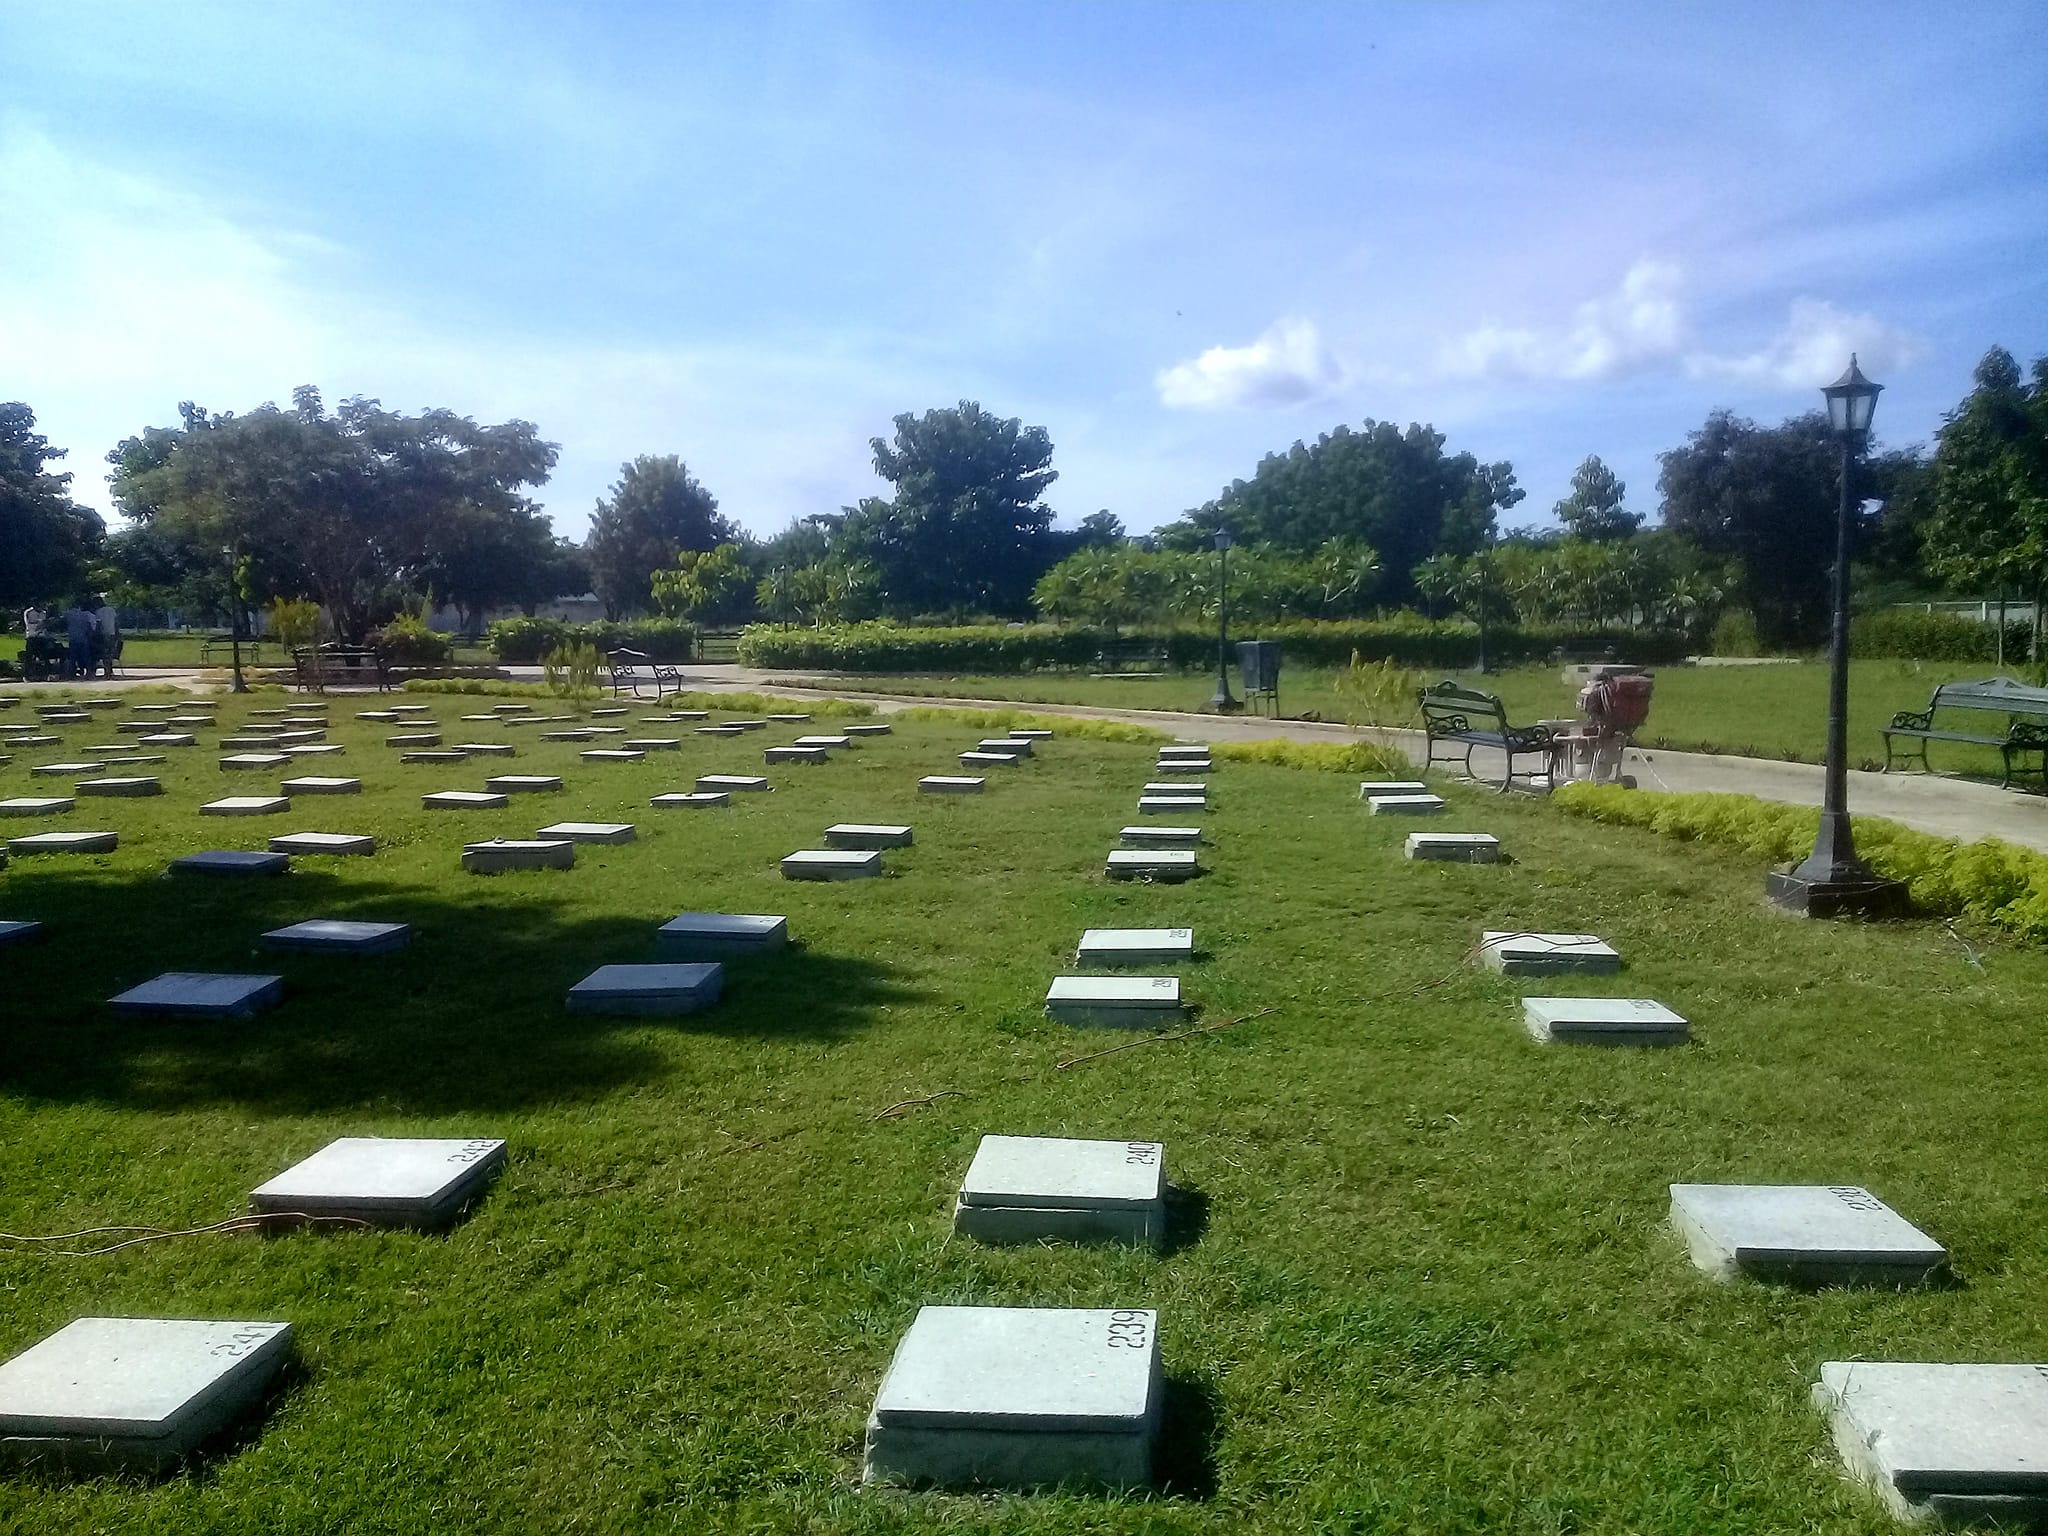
<point x="1991" y="880"/>
<point x="522" y="642"/>
<point x="1912" y="634"/>
<point x="1408" y="641"/>
<point x="729" y="703"/>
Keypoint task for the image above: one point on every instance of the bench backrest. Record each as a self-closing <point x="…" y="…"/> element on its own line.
<point x="1448" y="704"/>
<point x="2000" y="695"/>
<point x="624" y="661"/>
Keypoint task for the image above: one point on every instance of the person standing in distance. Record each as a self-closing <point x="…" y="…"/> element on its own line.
<point x="107" y="639"/>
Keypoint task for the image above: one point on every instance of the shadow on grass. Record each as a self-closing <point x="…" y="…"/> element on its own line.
<point x="1184" y="1465"/>
<point x="1187" y="1218"/>
<point x="471" y="1016"/>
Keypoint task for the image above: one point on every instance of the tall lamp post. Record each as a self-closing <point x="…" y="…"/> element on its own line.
<point x="1832" y="880"/>
<point x="234" y="554"/>
<point x="1222" y="701"/>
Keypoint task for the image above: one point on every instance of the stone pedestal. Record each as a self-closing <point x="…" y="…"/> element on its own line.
<point x="1110" y="948"/>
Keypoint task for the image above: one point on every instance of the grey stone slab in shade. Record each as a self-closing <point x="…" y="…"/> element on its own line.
<point x="361" y="845"/>
<point x="830" y="743"/>
<point x="65" y="716"/>
<point x="64" y="842"/>
<point x="464" y="800"/>
<point x="859" y="834"/>
<point x="670" y="988"/>
<point x="33" y="741"/>
<point x="654" y="744"/>
<point x="387" y="1181"/>
<point x="1168" y="805"/>
<point x="137" y="760"/>
<point x="1175" y="787"/>
<point x="380" y="715"/>
<point x="252" y="762"/>
<point x="831" y="864"/>
<point x="1022" y="1189"/>
<point x="1373" y="788"/>
<point x="796" y="755"/>
<point x="1547" y="954"/>
<point x="243" y="743"/>
<point x="611" y="755"/>
<point x="319" y="749"/>
<point x="1007" y="746"/>
<point x="750" y="725"/>
<point x="1946" y="1443"/>
<point x="1107" y="948"/>
<point x="511" y="709"/>
<point x="950" y="784"/>
<point x="1188" y="765"/>
<point x="787" y="719"/>
<point x="412" y="709"/>
<point x="720" y="730"/>
<point x="298" y="738"/>
<point x="201" y="994"/>
<point x="1185" y="749"/>
<point x="502" y="856"/>
<point x="105" y="702"/>
<point x="115" y="749"/>
<point x="589" y="832"/>
<point x="608" y="730"/>
<point x="1151" y="864"/>
<point x="36" y="805"/>
<point x="485" y="748"/>
<point x="247" y="805"/>
<point x="266" y="732"/>
<point x="229" y="861"/>
<point x="333" y="936"/>
<point x="64" y="770"/>
<point x="1160" y="837"/>
<point x="1454" y="847"/>
<point x="522" y="783"/>
<point x="1603" y="1021"/>
<point x="315" y="785"/>
<point x="1019" y="1397"/>
<point x="607" y="711"/>
<point x="134" y="1394"/>
<point x="414" y="739"/>
<point x="876" y="728"/>
<point x="1810" y="1234"/>
<point x="1406" y="805"/>
<point x="18" y="931"/>
<point x="693" y="801"/>
<point x="720" y="935"/>
<point x="168" y="739"/>
<point x="432" y="756"/>
<point x="736" y="783"/>
<point x="988" y="760"/>
<point x="1128" y="1002"/>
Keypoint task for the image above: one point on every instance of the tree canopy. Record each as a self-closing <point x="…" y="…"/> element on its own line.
<point x="1594" y="511"/>
<point x="1989" y="526"/>
<point x="657" y="509"/>
<point x="45" y="538"/>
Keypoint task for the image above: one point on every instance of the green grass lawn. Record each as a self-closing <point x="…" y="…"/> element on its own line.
<point x="142" y="651"/>
<point x="1422" y="1281"/>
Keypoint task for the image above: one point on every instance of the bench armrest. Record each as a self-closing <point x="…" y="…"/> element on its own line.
<point x="1912" y="720"/>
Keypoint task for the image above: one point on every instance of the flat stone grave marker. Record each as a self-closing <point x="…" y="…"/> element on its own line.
<point x="648" y="989"/>
<point x="832" y="864"/>
<point x="1603" y="1021"/>
<point x="119" y="787"/>
<point x="1107" y="948"/>
<point x="511" y="709"/>
<point x="297" y="738"/>
<point x="110" y="749"/>
<point x="720" y="730"/>
<point x="582" y="733"/>
<point x="252" y="762"/>
<point x="860" y="834"/>
<point x="1005" y="745"/>
<point x="483" y="719"/>
<point x="64" y="716"/>
<point x="1151" y="864"/>
<point x="501" y="856"/>
<point x="988" y="760"/>
<point x="1185" y="749"/>
<point x="247" y="805"/>
<point x="608" y="730"/>
<point x="1950" y="1443"/>
<point x="315" y="785"/>
<point x="65" y="770"/>
<point x="33" y="741"/>
<point x="230" y="861"/>
<point x="1406" y="805"/>
<point x="1037" y="733"/>
<point x="830" y="743"/>
<point x="1160" y="837"/>
<point x="234" y="743"/>
<point x="485" y="748"/>
<point x="1184" y="765"/>
<point x="589" y="831"/>
<point x="154" y="709"/>
<point x="360" y="845"/>
<point x="267" y="732"/>
<point x="201" y="994"/>
<point x="307" y="723"/>
<point x="786" y="719"/>
<point x="875" y="728"/>
<point x="463" y="800"/>
<point x="720" y="935"/>
<point x="611" y="755"/>
<point x="523" y="783"/>
<point x="1809" y="1234"/>
<point x="795" y="755"/>
<point x="1019" y="1397"/>
<point x="1547" y="954"/>
<point x="654" y="744"/>
<point x="760" y="725"/>
<point x="950" y="784"/>
<point x="689" y="714"/>
<point x="192" y="722"/>
<point x="380" y="715"/>
<point x="134" y="1394"/>
<point x="387" y="1181"/>
<point x="64" y="842"/>
<point x="607" y="711"/>
<point x="333" y="936"/>
<point x="103" y="701"/>
<point x="134" y="760"/>
<point x="36" y="805"/>
<point x="433" y="756"/>
<point x="268" y="714"/>
<point x="414" y="739"/>
<point x="412" y="709"/>
<point x="1174" y="787"/>
<point x="1167" y="805"/>
<point x="1026" y="1189"/>
<point x="1124" y="1002"/>
<point x="1371" y="789"/>
<point x="691" y="801"/>
<point x="737" y="783"/>
<point x="1454" y="847"/>
<point x="18" y="931"/>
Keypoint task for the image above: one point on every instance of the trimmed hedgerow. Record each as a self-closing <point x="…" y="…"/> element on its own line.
<point x="1322" y="756"/>
<point x="1014" y="719"/>
<point x="1911" y="634"/>
<point x="523" y="642"/>
<point x="734" y="703"/>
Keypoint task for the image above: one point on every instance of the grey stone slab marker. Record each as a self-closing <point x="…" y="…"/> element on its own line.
<point x="414" y="739"/>
<point x="672" y="988"/>
<point x="252" y="762"/>
<point x="751" y="725"/>
<point x="589" y="831"/>
<point x="1006" y="745"/>
<point x="358" y="844"/>
<point x="1024" y="1189"/>
<point x="1168" y="805"/>
<point x="201" y="994"/>
<point x="386" y="1181"/>
<point x="611" y="755"/>
<point x="511" y="709"/>
<point x="1547" y="954"/>
<point x="264" y="732"/>
<point x="523" y="783"/>
<point x="65" y="716"/>
<point x="1372" y="789"/>
<point x="857" y="834"/>
<point x="1121" y="1002"/>
<point x="1603" y="1021"/>
<point x="720" y="730"/>
<point x="1950" y="1443"/>
<point x="412" y="709"/>
<point x="322" y="786"/>
<point x="486" y="748"/>
<point x="491" y="719"/>
<point x="874" y="728"/>
<point x="811" y="755"/>
<point x="1037" y="733"/>
<point x="154" y="709"/>
<point x="1185" y="749"/>
<point x="140" y="760"/>
<point x="247" y="805"/>
<point x="36" y="805"/>
<point x="1160" y="837"/>
<point x="989" y="760"/>
<point x="689" y="714"/>
<point x="1454" y="847"/>
<point x="830" y="743"/>
<point x="433" y="756"/>
<point x="1108" y="948"/>
<point x="655" y="744"/>
<point x="501" y="856"/>
<point x="606" y="711"/>
<point x="33" y="741"/>
<point x="105" y="701"/>
<point x="1175" y="787"/>
<point x="787" y="719"/>
<point x="608" y="730"/>
<point x="320" y="749"/>
<point x="692" y="801"/>
<point x="464" y="800"/>
<point x="230" y="861"/>
<point x="1168" y="864"/>
<point x="720" y="935"/>
<point x="334" y="936"/>
<point x="381" y="715"/>
<point x="1185" y="765"/>
<point x="1810" y="1234"/>
<point x="298" y="738"/>
<point x="64" y="770"/>
<point x="243" y="743"/>
<point x="831" y="864"/>
<point x="732" y="783"/>
<point x="64" y="842"/>
<point x="1406" y="805"/>
<point x="134" y="1394"/>
<point x="950" y="784"/>
<point x="1019" y="1397"/>
<point x="19" y="931"/>
<point x="113" y="749"/>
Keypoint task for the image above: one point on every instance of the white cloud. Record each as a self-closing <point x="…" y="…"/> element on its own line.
<point x="1640" y="323"/>
<point x="1287" y="365"/>
<point x="1812" y="349"/>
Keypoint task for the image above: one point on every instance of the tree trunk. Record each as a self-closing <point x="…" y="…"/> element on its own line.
<point x="2001" y="627"/>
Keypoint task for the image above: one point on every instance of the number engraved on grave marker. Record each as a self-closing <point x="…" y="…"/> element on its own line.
<point x="1127" y="1330"/>
<point x="241" y="1342"/>
<point x="1856" y="1199"/>
<point x="1144" y="1152"/>
<point x="469" y="1152"/>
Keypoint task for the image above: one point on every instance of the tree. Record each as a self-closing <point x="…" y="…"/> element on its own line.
<point x="706" y="587"/>
<point x="480" y="556"/>
<point x="1593" y="511"/>
<point x="656" y="510"/>
<point x="1102" y="529"/>
<point x="45" y="538"/>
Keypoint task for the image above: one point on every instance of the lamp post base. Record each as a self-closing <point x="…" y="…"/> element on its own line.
<point x="1223" y="704"/>
<point x="1851" y="892"/>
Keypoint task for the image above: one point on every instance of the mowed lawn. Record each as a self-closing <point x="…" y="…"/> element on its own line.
<point x="1422" y="1278"/>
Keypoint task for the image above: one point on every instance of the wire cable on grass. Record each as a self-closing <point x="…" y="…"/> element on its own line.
<point x="253" y="1221"/>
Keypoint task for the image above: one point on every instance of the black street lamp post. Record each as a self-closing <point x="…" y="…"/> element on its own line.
<point x="235" y="616"/>
<point x="1222" y="701"/>
<point x="1832" y="880"/>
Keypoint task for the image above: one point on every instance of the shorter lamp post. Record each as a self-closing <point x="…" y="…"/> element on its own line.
<point x="235" y="616"/>
<point x="1222" y="701"/>
<point x="1832" y="880"/>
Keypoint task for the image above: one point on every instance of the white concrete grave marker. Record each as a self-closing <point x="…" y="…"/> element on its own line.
<point x="751" y="725"/>
<point x="1165" y="864"/>
<point x="734" y="783"/>
<point x="247" y="805"/>
<point x="322" y="749"/>
<point x="243" y="743"/>
<point x="589" y="831"/>
<point x="1372" y="789"/>
<point x="789" y="719"/>
<point x="387" y="1181"/>
<point x="414" y="739"/>
<point x="322" y="786"/>
<point x="829" y="743"/>
<point x="134" y="1394"/>
<point x="201" y="994"/>
<point x="154" y="709"/>
<point x="119" y="788"/>
<point x="1034" y="734"/>
<point x="870" y="728"/>
<point x="796" y="755"/>
<point x="231" y="861"/>
<point x="1454" y="847"/>
<point x="1951" y="1444"/>
<point x="523" y="783"/>
<point x="1547" y="954"/>
<point x="1168" y="805"/>
<point x="433" y="755"/>
<point x="333" y="936"/>
<point x="857" y="834"/>
<point x="252" y="762"/>
<point x="1185" y="749"/>
<point x="689" y="714"/>
<point x="33" y="741"/>
<point x="358" y="844"/>
<point x="511" y="709"/>
<point x="655" y="744"/>
<point x="989" y="760"/>
<point x="611" y="755"/>
<point x="1024" y="1189"/>
<point x="64" y="842"/>
<point x="464" y="800"/>
<point x="64" y="770"/>
<point x="1106" y="948"/>
<point x="608" y="730"/>
<point x="720" y="730"/>
<point x="1810" y="1234"/>
<point x="1184" y="765"/>
<point x="64" y="716"/>
<point x="569" y="735"/>
<point x="297" y="738"/>
<point x="1019" y="1397"/>
<point x="1406" y="805"/>
<point x="665" y="989"/>
<point x="720" y="935"/>
<point x="1160" y="837"/>
<point x="692" y="801"/>
<point x="36" y="805"/>
<point x="18" y="931"/>
<point x="607" y="711"/>
<point x="1122" y="1002"/>
<point x="831" y="864"/>
<point x="380" y="715"/>
<point x="1008" y="746"/>
<point x="1603" y="1021"/>
<point x="485" y="749"/>
<point x="950" y="784"/>
<point x="1175" y="787"/>
<point x="500" y="856"/>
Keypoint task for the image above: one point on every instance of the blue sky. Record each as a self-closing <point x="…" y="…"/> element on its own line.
<point x="1177" y="236"/>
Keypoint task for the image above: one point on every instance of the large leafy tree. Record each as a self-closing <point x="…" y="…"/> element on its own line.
<point x="1989" y="527"/>
<point x="657" y="509"/>
<point x="45" y="539"/>
<point x="1594" y="511"/>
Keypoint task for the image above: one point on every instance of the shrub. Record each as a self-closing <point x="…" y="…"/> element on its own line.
<point x="1735" y="634"/>
<point x="738" y="703"/>
<point x="1913" y="634"/>
<point x="1018" y="719"/>
<point x="1378" y="693"/>
<point x="407" y="642"/>
<point x="570" y="670"/>
<point x="1323" y="756"/>
<point x="522" y="642"/>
